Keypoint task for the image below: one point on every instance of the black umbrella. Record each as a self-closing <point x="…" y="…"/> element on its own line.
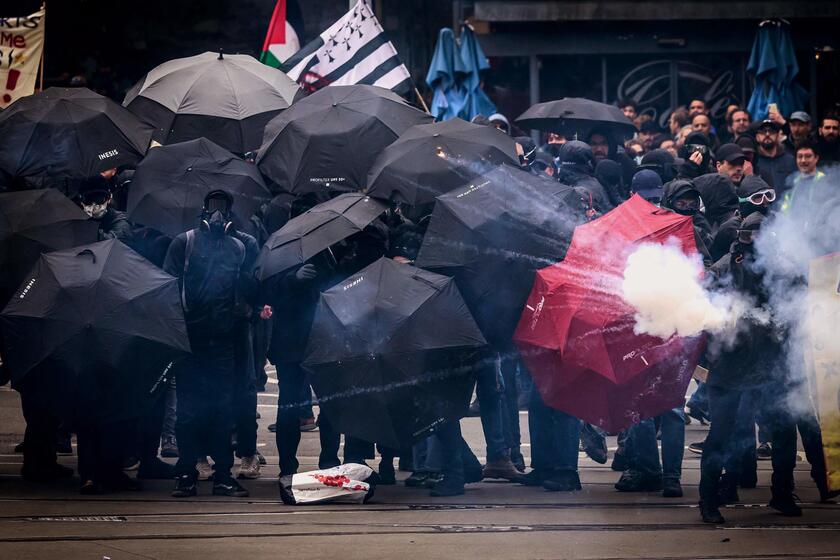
<point x="492" y="235"/>
<point x="431" y="159"/>
<point x="306" y="235"/>
<point x="328" y="141"/>
<point x="168" y="188"/>
<point x="99" y="318"/>
<point x="65" y="134"/>
<point x="228" y="99"/>
<point x="34" y="222"/>
<point x="577" y="116"/>
<point x="391" y="353"/>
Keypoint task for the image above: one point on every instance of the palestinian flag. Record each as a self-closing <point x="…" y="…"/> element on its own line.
<point x="281" y="41"/>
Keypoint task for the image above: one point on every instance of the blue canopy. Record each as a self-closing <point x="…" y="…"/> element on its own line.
<point x="455" y="77"/>
<point x="773" y="63"/>
<point x="475" y="62"/>
<point x="445" y="75"/>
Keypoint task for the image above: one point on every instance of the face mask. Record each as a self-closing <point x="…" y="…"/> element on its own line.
<point x="217" y="224"/>
<point x="686" y="206"/>
<point x="95" y="211"/>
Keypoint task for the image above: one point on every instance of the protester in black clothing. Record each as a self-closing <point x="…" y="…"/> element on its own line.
<point x="750" y="371"/>
<point x="720" y="200"/>
<point x="96" y="200"/>
<point x="682" y="197"/>
<point x="730" y="161"/>
<point x="662" y="162"/>
<point x="609" y="175"/>
<point x="604" y="147"/>
<point x="754" y="195"/>
<point x="213" y="266"/>
<point x="576" y="168"/>
<point x="697" y="156"/>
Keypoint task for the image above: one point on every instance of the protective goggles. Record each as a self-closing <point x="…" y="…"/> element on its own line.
<point x="759" y="197"/>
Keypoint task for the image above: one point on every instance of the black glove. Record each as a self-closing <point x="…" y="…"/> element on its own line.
<point x="306" y="273"/>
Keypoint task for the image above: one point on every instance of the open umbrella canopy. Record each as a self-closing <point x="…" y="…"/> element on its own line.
<point x="169" y="185"/>
<point x="34" y="222"/>
<point x="391" y="353"/>
<point x="62" y="135"/>
<point x="577" y="117"/>
<point x="328" y="141"/>
<point x="306" y="235"/>
<point x="226" y="98"/>
<point x="492" y="235"/>
<point x="773" y="64"/>
<point x="576" y="331"/>
<point x="100" y="316"/>
<point x="430" y="159"/>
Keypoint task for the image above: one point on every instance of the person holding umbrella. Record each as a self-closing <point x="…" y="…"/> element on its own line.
<point x="96" y="200"/>
<point x="213" y="264"/>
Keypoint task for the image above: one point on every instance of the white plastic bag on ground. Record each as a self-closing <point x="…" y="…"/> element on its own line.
<point x="346" y="484"/>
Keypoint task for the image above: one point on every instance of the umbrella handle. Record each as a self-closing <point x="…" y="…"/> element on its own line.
<point x="87" y="252"/>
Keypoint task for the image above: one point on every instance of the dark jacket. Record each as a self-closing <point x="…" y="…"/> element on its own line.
<point x="754" y="358"/>
<point x="115" y="225"/>
<point x="777" y="170"/>
<point x="719" y="198"/>
<point x="576" y="168"/>
<point x="728" y="230"/>
<point x="216" y="280"/>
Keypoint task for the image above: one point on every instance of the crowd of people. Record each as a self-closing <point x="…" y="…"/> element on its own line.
<point x="729" y="177"/>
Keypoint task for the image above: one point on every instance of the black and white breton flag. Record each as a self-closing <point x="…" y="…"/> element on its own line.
<point x="354" y="50"/>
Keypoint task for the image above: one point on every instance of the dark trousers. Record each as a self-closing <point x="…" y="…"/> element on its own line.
<point x="732" y="431"/>
<point x="246" y="394"/>
<point x="291" y="379"/>
<point x="150" y="426"/>
<point x="452" y="451"/>
<point x="555" y="437"/>
<point x="100" y="449"/>
<point x="510" y="365"/>
<point x="205" y="391"/>
<point x="41" y="426"/>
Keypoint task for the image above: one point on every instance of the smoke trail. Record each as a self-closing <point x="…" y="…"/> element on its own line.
<point x="665" y="287"/>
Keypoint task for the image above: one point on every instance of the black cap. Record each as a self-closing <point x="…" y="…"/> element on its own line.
<point x="730" y="153"/>
<point x="746" y="143"/>
<point x="650" y="127"/>
<point x="766" y="123"/>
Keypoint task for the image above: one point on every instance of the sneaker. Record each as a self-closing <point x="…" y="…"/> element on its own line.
<point x="634" y="481"/>
<point x="121" y="483"/>
<point x="185" y="486"/>
<point x="518" y="460"/>
<point x="696" y="447"/>
<point x="671" y="488"/>
<point x="710" y="513"/>
<point x="563" y="481"/>
<point x="764" y="451"/>
<point x="205" y="471"/>
<point x="417" y="479"/>
<point x="432" y="480"/>
<point x="786" y="504"/>
<point x="826" y="496"/>
<point x="261" y="458"/>
<point x="155" y="469"/>
<point x="308" y="425"/>
<point x="594" y="443"/>
<point x="502" y="468"/>
<point x="230" y="488"/>
<point x="169" y="448"/>
<point x="131" y="464"/>
<point x="272" y="428"/>
<point x="447" y="487"/>
<point x="249" y="467"/>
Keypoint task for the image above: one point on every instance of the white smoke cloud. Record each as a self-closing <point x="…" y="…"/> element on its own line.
<point x="665" y="287"/>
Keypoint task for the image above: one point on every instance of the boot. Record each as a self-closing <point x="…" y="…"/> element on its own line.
<point x="562" y="481"/>
<point x="447" y="487"/>
<point x="826" y="496"/>
<point x="671" y="488"/>
<point x="634" y="481"/>
<point x="502" y="468"/>
<point x="710" y="513"/>
<point x="785" y="503"/>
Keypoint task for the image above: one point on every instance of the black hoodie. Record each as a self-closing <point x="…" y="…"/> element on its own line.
<point x="575" y="167"/>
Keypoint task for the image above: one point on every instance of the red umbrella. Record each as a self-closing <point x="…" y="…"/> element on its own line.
<point x="576" y="332"/>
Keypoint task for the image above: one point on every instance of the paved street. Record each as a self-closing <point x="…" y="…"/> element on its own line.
<point x="492" y="520"/>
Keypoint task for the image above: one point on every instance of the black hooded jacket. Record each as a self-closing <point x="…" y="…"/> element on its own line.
<point x="719" y="198"/>
<point x="702" y="231"/>
<point x="575" y="168"/>
<point x="728" y="230"/>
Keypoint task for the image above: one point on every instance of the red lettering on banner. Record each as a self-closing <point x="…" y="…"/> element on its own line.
<point x="14" y="41"/>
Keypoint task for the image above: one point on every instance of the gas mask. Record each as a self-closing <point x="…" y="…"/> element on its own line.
<point x="95" y="211"/>
<point x="216" y="216"/>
